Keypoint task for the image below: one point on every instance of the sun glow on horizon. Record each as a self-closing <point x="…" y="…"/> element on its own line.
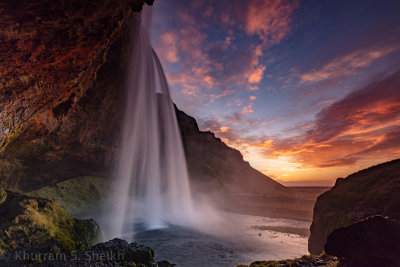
<point x="264" y="79"/>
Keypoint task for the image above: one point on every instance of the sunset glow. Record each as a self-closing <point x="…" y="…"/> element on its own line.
<point x="307" y="91"/>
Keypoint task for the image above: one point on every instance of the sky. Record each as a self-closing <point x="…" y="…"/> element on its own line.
<point x="308" y="91"/>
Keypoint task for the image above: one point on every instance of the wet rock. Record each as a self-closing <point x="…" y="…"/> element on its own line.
<point x="116" y="252"/>
<point x="370" y="242"/>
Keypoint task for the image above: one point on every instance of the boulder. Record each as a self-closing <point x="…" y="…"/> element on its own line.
<point x="370" y="242"/>
<point x="116" y="252"/>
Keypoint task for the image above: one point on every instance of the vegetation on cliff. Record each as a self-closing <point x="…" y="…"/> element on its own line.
<point x="37" y="222"/>
<point x="305" y="261"/>
<point x="78" y="196"/>
<point x="373" y="191"/>
<point x="3" y="195"/>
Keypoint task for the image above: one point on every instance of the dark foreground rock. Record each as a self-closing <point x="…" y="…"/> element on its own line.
<point x="116" y="252"/>
<point x="368" y="243"/>
<point x="305" y="261"/>
<point x="370" y="192"/>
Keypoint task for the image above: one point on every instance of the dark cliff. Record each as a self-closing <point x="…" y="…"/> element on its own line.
<point x="214" y="166"/>
<point x="373" y="191"/>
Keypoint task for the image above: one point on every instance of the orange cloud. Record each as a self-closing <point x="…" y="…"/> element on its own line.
<point x="270" y="20"/>
<point x="224" y="129"/>
<point x="257" y="75"/>
<point x="363" y="125"/>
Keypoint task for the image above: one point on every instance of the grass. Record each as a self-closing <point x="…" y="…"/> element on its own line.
<point x="323" y="260"/>
<point x="79" y="195"/>
<point x="38" y="221"/>
<point x="3" y="195"/>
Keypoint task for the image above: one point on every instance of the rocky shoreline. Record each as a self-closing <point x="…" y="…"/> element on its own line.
<point x="116" y="252"/>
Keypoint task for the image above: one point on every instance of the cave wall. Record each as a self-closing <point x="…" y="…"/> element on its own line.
<point x="62" y="69"/>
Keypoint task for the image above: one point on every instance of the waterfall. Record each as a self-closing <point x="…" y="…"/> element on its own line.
<point x="151" y="182"/>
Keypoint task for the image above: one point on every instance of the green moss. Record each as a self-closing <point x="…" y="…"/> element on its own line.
<point x="79" y="195"/>
<point x="323" y="261"/>
<point x="3" y="195"/>
<point x="41" y="221"/>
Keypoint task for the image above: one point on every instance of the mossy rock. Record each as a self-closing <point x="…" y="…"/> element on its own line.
<point x="3" y="195"/>
<point x="41" y="223"/>
<point x="322" y="260"/>
<point x="79" y="196"/>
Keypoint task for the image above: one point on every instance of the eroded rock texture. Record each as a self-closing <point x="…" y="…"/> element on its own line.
<point x="61" y="76"/>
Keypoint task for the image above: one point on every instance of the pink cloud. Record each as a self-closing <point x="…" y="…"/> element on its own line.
<point x="346" y="65"/>
<point x="270" y="20"/>
<point x="253" y="88"/>
<point x="246" y="109"/>
<point x="170" y="49"/>
<point x="363" y="124"/>
<point x="206" y="68"/>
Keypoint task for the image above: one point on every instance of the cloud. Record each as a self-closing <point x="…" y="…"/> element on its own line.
<point x="246" y="109"/>
<point x="205" y="66"/>
<point x="257" y="74"/>
<point x="270" y="20"/>
<point x="373" y="105"/>
<point x="346" y="65"/>
<point x="363" y="122"/>
<point x="170" y="47"/>
<point x="253" y="88"/>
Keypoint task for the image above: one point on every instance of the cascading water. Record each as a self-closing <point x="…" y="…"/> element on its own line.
<point x="152" y="185"/>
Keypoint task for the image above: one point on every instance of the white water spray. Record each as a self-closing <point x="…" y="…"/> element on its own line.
<point x="152" y="183"/>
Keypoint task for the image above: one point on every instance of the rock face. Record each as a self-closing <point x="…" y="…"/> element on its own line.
<point x="214" y="166"/>
<point x="373" y="191"/>
<point x="370" y="242"/>
<point x="31" y="222"/>
<point x="62" y="67"/>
